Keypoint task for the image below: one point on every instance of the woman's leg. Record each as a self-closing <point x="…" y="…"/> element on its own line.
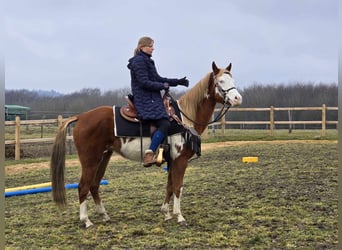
<point x="157" y="138"/>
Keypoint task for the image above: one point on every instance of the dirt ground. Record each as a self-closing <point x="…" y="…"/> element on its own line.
<point x="19" y="168"/>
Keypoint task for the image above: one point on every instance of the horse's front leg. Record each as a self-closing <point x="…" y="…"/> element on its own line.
<point x="101" y="210"/>
<point x="177" y="175"/>
<point x="165" y="207"/>
<point x="177" y="208"/>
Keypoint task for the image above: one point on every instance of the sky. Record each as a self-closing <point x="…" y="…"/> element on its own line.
<point x="69" y="45"/>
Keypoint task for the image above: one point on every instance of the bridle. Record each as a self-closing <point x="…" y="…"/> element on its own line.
<point x="222" y="112"/>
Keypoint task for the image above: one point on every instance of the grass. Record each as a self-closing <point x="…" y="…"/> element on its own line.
<point x="264" y="135"/>
<point x="287" y="200"/>
<point x="43" y="150"/>
<point x="31" y="131"/>
<point x="11" y="162"/>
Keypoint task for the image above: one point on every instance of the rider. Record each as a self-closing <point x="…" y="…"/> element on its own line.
<point x="146" y="85"/>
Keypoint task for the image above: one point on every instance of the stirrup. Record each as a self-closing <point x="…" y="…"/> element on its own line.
<point x="160" y="154"/>
<point x="159" y="159"/>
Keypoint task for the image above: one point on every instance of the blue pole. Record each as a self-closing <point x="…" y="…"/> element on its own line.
<point x="44" y="189"/>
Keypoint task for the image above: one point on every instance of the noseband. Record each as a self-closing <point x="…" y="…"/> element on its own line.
<point x="223" y="110"/>
<point x="224" y="92"/>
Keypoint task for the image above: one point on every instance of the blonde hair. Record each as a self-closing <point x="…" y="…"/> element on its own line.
<point x="143" y="42"/>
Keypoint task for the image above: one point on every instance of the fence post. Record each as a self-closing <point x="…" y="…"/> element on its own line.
<point x="271" y="120"/>
<point x="59" y="121"/>
<point x="223" y="124"/>
<point x="17" y="138"/>
<point x="324" y="119"/>
<point x="205" y="133"/>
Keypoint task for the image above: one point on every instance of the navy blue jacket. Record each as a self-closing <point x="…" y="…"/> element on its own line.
<point x="146" y="85"/>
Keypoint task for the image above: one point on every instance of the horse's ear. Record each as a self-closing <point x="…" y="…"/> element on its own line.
<point x="229" y="67"/>
<point x="215" y="68"/>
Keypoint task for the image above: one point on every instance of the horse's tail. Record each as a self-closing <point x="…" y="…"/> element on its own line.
<point x="57" y="164"/>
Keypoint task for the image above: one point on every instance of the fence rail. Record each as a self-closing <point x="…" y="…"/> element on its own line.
<point x="272" y="122"/>
<point x="17" y="141"/>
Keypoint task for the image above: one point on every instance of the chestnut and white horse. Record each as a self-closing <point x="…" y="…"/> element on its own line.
<point x="95" y="142"/>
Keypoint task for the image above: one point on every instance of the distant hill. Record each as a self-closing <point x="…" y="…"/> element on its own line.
<point x="39" y="92"/>
<point x="48" y="93"/>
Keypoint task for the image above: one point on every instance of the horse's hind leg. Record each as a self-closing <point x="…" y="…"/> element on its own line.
<point x="94" y="188"/>
<point x="89" y="182"/>
<point x="83" y="190"/>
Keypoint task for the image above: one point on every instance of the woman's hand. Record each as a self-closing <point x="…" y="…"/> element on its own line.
<point x="183" y="81"/>
<point x="166" y="86"/>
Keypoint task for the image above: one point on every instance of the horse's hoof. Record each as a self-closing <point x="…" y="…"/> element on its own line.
<point x="84" y="226"/>
<point x="89" y="225"/>
<point x="106" y="218"/>
<point x="183" y="223"/>
<point x="167" y="219"/>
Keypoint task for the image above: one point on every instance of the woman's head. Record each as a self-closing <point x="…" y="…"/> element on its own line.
<point x="145" y="44"/>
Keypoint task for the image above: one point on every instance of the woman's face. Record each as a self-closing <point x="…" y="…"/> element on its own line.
<point x="148" y="49"/>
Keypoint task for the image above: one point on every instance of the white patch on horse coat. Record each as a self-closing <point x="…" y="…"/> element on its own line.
<point x="176" y="206"/>
<point x="176" y="142"/>
<point x="166" y="212"/>
<point x="84" y="214"/>
<point x="131" y="149"/>
<point x="101" y="210"/>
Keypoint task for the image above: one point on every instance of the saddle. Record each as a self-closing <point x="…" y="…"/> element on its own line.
<point x="129" y="112"/>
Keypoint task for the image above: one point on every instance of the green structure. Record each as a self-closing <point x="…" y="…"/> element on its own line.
<point x="11" y="111"/>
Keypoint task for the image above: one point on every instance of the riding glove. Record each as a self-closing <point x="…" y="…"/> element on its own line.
<point x="166" y="86"/>
<point x="183" y="81"/>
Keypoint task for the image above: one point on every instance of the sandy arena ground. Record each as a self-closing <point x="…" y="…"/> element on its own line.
<point x="13" y="169"/>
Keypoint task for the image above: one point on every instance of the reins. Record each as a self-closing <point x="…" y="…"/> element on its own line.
<point x="223" y="111"/>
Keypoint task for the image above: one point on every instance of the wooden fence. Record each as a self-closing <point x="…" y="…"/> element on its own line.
<point x="17" y="141"/>
<point x="271" y="122"/>
<point x="17" y="138"/>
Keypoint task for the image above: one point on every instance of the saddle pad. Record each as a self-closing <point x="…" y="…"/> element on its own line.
<point x="124" y="128"/>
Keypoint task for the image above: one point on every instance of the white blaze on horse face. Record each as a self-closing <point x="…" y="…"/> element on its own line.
<point x="226" y="89"/>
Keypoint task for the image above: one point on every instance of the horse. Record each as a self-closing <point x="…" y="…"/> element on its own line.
<point x="95" y="141"/>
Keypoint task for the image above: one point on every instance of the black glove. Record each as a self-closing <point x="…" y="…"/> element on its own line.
<point x="166" y="86"/>
<point x="183" y="81"/>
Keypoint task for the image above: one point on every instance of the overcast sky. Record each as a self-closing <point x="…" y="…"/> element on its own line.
<point x="68" y="45"/>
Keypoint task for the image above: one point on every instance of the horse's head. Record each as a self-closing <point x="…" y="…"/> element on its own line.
<point x="225" y="91"/>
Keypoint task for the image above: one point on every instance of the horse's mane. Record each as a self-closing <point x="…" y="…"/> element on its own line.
<point x="190" y="100"/>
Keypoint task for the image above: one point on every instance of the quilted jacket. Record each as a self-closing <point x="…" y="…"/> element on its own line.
<point x="146" y="85"/>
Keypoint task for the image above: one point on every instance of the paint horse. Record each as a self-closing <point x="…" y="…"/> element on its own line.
<point x="95" y="141"/>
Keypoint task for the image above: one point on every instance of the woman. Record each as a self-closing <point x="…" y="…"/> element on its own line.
<point x="146" y="85"/>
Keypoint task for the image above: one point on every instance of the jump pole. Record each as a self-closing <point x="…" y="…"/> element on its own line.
<point x="40" y="188"/>
<point x="46" y="184"/>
